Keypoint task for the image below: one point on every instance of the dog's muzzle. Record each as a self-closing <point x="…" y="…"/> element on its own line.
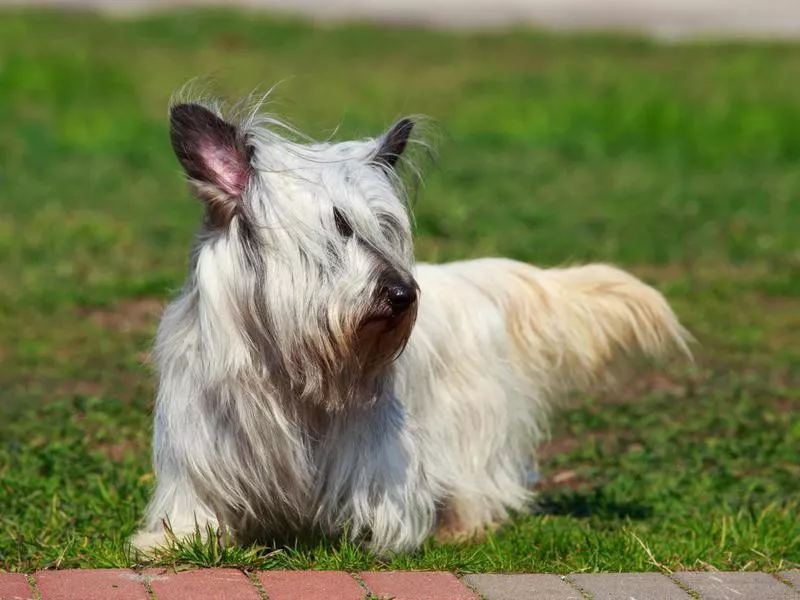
<point x="394" y="303"/>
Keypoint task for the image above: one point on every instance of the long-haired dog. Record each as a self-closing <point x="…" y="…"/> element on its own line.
<point x="314" y="377"/>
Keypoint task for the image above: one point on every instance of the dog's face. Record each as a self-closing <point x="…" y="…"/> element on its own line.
<point x="305" y="250"/>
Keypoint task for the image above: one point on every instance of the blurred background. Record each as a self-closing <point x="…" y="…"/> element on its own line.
<point x="661" y="136"/>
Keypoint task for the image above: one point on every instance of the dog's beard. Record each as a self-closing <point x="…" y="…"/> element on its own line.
<point x="333" y="357"/>
<point x="382" y="340"/>
<point x="351" y="369"/>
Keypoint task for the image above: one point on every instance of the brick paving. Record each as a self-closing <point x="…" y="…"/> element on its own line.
<point x="299" y="585"/>
<point x="408" y="585"/>
<point x="14" y="586"/>
<point x="201" y="584"/>
<point x="96" y="584"/>
<point x="232" y="584"/>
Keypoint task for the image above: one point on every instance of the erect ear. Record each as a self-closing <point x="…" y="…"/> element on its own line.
<point x="393" y="143"/>
<point x="213" y="152"/>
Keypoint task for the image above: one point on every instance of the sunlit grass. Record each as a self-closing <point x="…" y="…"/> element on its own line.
<point x="680" y="163"/>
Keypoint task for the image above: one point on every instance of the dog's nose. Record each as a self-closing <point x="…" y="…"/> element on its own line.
<point x="401" y="297"/>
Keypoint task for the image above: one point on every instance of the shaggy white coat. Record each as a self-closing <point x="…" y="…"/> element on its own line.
<point x="285" y="404"/>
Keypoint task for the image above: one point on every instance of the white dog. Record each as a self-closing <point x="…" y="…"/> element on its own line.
<point x="313" y="376"/>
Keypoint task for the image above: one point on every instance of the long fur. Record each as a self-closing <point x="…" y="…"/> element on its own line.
<point x="289" y="400"/>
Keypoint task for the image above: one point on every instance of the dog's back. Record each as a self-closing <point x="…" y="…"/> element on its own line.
<point x="576" y="327"/>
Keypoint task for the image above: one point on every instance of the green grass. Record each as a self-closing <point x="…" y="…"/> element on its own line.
<point x="681" y="163"/>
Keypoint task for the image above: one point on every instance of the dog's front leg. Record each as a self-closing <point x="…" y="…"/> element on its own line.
<point x="176" y="510"/>
<point x="375" y="486"/>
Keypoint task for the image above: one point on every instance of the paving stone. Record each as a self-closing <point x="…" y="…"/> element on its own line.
<point x="738" y="586"/>
<point x="793" y="577"/>
<point x="624" y="586"/>
<point x="203" y="584"/>
<point x="90" y="584"/>
<point x="522" y="587"/>
<point x="14" y="586"/>
<point x="401" y="585"/>
<point x="310" y="585"/>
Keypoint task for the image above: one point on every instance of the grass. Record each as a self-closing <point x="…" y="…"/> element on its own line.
<point x="677" y="162"/>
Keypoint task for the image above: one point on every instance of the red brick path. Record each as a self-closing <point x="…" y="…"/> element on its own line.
<point x="231" y="584"/>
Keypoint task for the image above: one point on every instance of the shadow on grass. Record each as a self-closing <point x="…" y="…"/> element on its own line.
<point x="590" y="503"/>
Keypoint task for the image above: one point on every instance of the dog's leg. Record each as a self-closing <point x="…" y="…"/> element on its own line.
<point x="467" y="519"/>
<point x="373" y="485"/>
<point x="179" y="444"/>
<point x="175" y="511"/>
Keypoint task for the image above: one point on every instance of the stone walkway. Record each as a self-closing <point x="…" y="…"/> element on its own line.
<point x="225" y="584"/>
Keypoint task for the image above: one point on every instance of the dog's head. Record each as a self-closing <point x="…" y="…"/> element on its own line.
<point x="305" y="252"/>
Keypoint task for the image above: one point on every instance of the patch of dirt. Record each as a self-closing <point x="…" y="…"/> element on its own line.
<point x="561" y="445"/>
<point x="98" y="352"/>
<point x="555" y="476"/>
<point x="122" y="385"/>
<point x="566" y="444"/>
<point x="80" y="388"/>
<point x="653" y="382"/>
<point x="560" y="480"/>
<point x="787" y="405"/>
<point x="646" y="383"/>
<point x="782" y="304"/>
<point x="119" y="451"/>
<point x="129" y="315"/>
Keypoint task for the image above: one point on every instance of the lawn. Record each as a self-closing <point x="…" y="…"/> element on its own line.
<point x="681" y="163"/>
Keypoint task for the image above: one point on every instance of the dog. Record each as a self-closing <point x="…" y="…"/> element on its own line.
<point x="313" y="377"/>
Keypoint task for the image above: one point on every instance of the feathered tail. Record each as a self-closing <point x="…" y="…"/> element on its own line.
<point x="580" y="328"/>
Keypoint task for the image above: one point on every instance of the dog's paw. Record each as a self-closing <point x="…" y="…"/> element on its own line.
<point x="147" y="543"/>
<point x="448" y="534"/>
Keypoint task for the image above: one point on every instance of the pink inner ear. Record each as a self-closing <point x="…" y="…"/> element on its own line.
<point x="227" y="167"/>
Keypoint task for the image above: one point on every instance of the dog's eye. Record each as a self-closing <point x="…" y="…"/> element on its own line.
<point x="341" y="224"/>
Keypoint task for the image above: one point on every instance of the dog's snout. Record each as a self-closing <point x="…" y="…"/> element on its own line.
<point x="401" y="297"/>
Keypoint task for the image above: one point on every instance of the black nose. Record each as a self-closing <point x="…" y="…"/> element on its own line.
<point x="401" y="297"/>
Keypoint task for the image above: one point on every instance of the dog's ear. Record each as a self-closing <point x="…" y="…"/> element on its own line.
<point x="393" y="143"/>
<point x="213" y="152"/>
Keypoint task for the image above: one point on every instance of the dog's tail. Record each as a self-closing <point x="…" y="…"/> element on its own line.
<point x="580" y="328"/>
